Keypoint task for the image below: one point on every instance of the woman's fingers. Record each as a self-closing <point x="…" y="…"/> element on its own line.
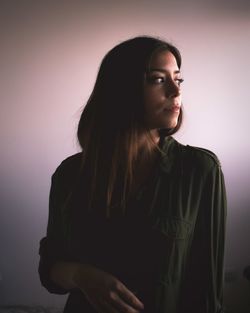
<point x="106" y="293"/>
<point x="102" y="306"/>
<point x="110" y="308"/>
<point x="121" y="305"/>
<point x="127" y="296"/>
<point x="113" y="302"/>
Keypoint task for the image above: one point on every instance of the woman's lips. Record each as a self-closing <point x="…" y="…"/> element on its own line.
<point x="174" y="109"/>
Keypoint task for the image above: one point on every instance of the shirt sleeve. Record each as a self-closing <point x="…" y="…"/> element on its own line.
<point x="52" y="247"/>
<point x="203" y="283"/>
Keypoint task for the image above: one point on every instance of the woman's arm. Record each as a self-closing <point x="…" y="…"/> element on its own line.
<point x="52" y="247"/>
<point x="60" y="274"/>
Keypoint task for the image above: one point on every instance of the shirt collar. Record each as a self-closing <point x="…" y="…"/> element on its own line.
<point x="169" y="147"/>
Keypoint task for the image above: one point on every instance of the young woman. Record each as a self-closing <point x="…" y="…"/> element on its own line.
<point x="136" y="220"/>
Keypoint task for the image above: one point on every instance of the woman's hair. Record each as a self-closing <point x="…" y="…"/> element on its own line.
<point x="113" y="120"/>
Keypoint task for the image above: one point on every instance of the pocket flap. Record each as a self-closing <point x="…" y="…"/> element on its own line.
<point x="173" y="227"/>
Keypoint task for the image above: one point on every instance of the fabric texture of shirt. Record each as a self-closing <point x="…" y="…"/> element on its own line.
<point x="168" y="248"/>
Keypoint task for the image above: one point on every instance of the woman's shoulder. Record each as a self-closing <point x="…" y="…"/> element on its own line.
<point x="203" y="155"/>
<point x="72" y="160"/>
<point x="70" y="167"/>
<point x="193" y="156"/>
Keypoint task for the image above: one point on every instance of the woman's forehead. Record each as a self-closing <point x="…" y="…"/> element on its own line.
<point x="163" y="60"/>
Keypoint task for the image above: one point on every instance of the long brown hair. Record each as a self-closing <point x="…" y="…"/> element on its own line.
<point x="112" y="121"/>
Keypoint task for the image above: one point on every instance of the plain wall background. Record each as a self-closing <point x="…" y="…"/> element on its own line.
<point x="50" y="54"/>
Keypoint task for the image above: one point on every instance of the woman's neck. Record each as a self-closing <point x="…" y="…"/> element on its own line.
<point x="143" y="142"/>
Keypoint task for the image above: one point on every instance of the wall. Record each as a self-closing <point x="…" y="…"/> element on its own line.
<point x="50" y="53"/>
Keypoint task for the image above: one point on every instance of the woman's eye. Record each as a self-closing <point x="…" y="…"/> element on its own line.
<point x="156" y="80"/>
<point x="179" y="81"/>
<point x="161" y="80"/>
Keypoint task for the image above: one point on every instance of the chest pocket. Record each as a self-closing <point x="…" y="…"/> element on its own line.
<point x="173" y="237"/>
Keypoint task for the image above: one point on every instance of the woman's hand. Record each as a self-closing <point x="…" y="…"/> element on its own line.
<point x="105" y="292"/>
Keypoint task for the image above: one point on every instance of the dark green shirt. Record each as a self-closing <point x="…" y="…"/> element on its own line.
<point x="177" y="220"/>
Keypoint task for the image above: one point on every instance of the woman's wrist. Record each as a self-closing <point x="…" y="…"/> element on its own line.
<point x="65" y="274"/>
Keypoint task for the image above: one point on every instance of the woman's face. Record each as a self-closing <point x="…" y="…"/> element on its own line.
<point x="162" y="94"/>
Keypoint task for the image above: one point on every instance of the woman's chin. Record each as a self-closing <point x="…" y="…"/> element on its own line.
<point x="171" y="124"/>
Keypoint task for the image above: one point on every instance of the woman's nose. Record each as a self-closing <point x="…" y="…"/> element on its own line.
<point x="172" y="90"/>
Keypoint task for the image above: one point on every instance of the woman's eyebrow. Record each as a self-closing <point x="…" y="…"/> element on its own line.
<point x="162" y="70"/>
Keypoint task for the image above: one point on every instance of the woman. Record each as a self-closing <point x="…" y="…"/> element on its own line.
<point x="136" y="220"/>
